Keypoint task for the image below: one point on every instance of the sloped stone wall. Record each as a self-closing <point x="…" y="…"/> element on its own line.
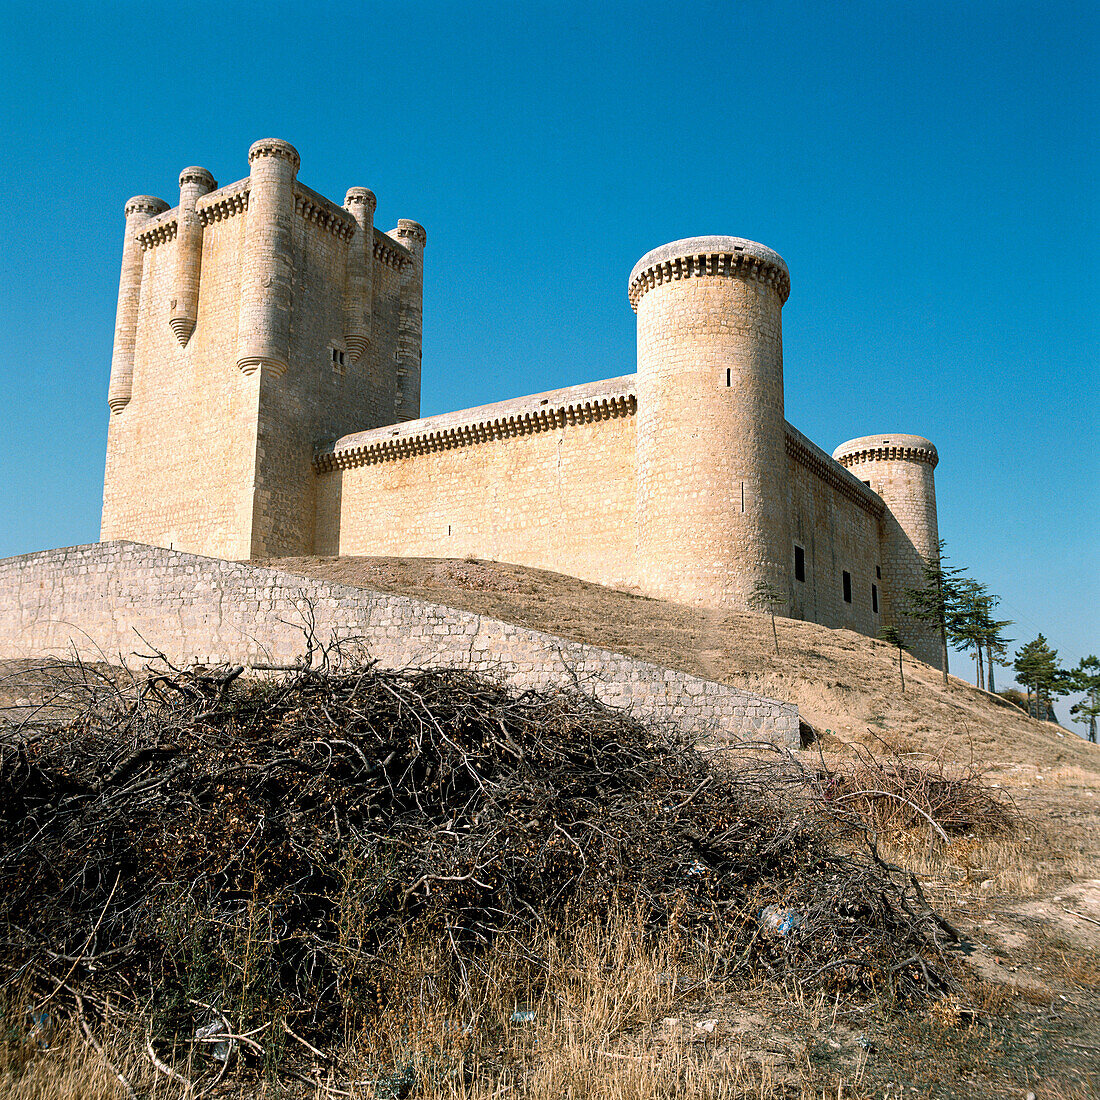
<point x="120" y="599"/>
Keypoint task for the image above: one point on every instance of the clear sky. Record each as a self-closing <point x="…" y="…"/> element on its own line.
<point x="928" y="171"/>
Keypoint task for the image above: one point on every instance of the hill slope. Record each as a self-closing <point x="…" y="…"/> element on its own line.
<point x="842" y="681"/>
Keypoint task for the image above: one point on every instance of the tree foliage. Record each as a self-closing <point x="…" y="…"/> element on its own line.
<point x="937" y="602"/>
<point x="1037" y="667"/>
<point x="1086" y="678"/>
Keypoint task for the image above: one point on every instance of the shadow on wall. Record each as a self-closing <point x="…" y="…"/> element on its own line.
<point x="329" y="510"/>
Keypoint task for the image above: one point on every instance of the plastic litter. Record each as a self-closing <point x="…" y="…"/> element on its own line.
<point x="40" y="1029"/>
<point x="222" y="1050"/>
<point x="778" y="921"/>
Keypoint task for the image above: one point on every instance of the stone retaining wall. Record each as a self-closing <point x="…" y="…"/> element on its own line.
<point x="121" y="598"/>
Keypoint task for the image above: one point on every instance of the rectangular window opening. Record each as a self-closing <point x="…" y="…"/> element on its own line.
<point x="729" y="376"/>
<point x="878" y="572"/>
<point x="847" y="587"/>
<point x="874" y="599"/>
<point x="799" y="563"/>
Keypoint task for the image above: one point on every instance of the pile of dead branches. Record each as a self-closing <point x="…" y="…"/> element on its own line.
<point x="895" y="795"/>
<point x="273" y="847"/>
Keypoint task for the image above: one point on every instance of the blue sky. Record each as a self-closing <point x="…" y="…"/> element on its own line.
<point x="929" y="172"/>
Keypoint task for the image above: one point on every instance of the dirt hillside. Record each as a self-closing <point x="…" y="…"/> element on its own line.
<point x="842" y="681"/>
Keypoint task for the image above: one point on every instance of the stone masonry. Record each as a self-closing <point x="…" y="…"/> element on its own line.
<point x="116" y="600"/>
<point x="265" y="401"/>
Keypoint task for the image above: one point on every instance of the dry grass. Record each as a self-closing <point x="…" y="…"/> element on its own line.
<point x="615" y="1017"/>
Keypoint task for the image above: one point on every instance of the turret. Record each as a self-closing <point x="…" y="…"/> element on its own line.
<point x="264" y="324"/>
<point x="360" y="204"/>
<point x="900" y="469"/>
<point x="712" y="468"/>
<point x="194" y="183"/>
<point x="410" y="321"/>
<point x="138" y="211"/>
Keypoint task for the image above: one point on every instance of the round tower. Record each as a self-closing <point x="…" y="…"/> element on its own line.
<point x="263" y="338"/>
<point x="711" y="438"/>
<point x="138" y="210"/>
<point x="900" y="469"/>
<point x="410" y="321"/>
<point x="194" y="183"/>
<point x="360" y="204"/>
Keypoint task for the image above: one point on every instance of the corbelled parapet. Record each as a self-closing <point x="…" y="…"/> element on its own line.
<point x="138" y="210"/>
<point x="733" y="257"/>
<point x="410" y="322"/>
<point x="267" y="268"/>
<point x="881" y="448"/>
<point x="195" y="182"/>
<point x="360" y="203"/>
<point x="713" y="525"/>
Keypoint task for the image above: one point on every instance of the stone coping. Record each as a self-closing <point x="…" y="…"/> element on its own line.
<point x="809" y="454"/>
<point x="611" y="397"/>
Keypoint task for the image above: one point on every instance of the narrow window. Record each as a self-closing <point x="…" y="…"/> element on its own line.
<point x="847" y="587"/>
<point x="874" y="598"/>
<point x="729" y="376"/>
<point x="878" y="571"/>
<point x="799" y="564"/>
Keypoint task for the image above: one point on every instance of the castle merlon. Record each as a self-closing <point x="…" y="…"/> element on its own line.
<point x="731" y="257"/>
<point x="539" y="412"/>
<point x="810" y="455"/>
<point x="884" y="448"/>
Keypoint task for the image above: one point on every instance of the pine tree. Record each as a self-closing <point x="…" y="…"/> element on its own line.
<point x="1038" y="670"/>
<point x="1086" y="678"/>
<point x="971" y="626"/>
<point x="937" y="601"/>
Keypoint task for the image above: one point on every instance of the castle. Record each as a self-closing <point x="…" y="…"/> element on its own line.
<point x="265" y="402"/>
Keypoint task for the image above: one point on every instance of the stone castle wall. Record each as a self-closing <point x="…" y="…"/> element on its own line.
<point x="836" y="521"/>
<point x="546" y="481"/>
<point x="214" y="456"/>
<point x="121" y="598"/>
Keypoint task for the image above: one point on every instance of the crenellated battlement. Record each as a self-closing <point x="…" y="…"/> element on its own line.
<point x="159" y="230"/>
<point x="728" y="257"/>
<point x="887" y="448"/>
<point x="810" y="455"/>
<point x="322" y="213"/>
